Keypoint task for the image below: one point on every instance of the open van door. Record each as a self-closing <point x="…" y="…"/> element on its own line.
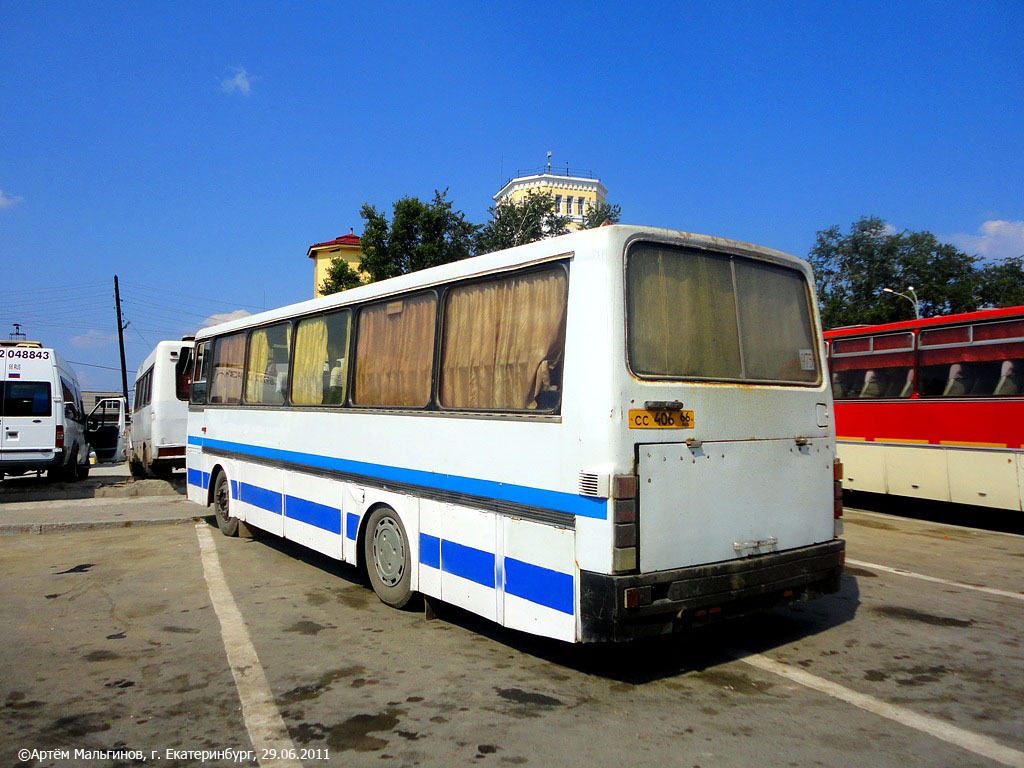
<point x="105" y="429"/>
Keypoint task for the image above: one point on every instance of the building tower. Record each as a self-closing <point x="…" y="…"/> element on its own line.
<point x="574" y="190"/>
<point x="346" y="246"/>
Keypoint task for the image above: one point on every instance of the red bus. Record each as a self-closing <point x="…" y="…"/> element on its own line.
<point x="933" y="408"/>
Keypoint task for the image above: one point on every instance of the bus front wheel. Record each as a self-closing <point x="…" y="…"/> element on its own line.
<point x="222" y="506"/>
<point x="387" y="557"/>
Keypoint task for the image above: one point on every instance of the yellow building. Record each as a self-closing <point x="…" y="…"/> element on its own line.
<point x="346" y="246"/>
<point x="574" y="191"/>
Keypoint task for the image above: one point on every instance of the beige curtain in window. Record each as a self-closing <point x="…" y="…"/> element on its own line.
<point x="310" y="356"/>
<point x="682" y="315"/>
<point x="503" y="343"/>
<point x="776" y="323"/>
<point x="395" y="352"/>
<point x="229" y="355"/>
<point x="256" y="377"/>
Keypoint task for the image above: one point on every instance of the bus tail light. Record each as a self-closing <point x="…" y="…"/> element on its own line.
<point x="624" y="524"/>
<point x="172" y="451"/>
<point x="837" y="497"/>
<point x="58" y="440"/>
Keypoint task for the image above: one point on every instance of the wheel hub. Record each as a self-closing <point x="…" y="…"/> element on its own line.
<point x="388" y="552"/>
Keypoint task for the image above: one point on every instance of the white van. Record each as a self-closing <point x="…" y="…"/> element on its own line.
<point x="42" y="422"/>
<point x="160" y="412"/>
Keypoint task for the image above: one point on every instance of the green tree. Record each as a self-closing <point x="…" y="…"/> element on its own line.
<point x="419" y="235"/>
<point x="340" y="277"/>
<point x="1001" y="283"/>
<point x="850" y="271"/>
<point x="597" y="215"/>
<point x="517" y="223"/>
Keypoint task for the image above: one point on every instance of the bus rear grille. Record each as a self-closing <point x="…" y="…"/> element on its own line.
<point x="592" y="484"/>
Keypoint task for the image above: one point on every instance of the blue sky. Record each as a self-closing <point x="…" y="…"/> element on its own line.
<point x="197" y="150"/>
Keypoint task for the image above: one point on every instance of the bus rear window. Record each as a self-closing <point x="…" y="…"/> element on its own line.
<point x="26" y="398"/>
<point x="699" y="315"/>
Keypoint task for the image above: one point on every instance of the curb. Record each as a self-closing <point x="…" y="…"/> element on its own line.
<point x="13" y="529"/>
<point x="112" y="491"/>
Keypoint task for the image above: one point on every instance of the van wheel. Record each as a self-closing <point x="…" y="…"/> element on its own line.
<point x="136" y="469"/>
<point x="69" y="472"/>
<point x="222" y="507"/>
<point x="387" y="557"/>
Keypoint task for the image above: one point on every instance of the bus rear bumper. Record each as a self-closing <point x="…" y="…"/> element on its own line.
<point x="675" y="600"/>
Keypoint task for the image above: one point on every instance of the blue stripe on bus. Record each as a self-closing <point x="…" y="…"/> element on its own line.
<point x="430" y="550"/>
<point x="539" y="585"/>
<point x="467" y="562"/>
<point x="543" y="586"/>
<point x="319" y="515"/>
<point x="198" y="478"/>
<point x="582" y="506"/>
<point x="234" y="489"/>
<point x="260" y="497"/>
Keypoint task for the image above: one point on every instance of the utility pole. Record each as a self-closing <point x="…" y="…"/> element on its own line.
<point x="120" y="340"/>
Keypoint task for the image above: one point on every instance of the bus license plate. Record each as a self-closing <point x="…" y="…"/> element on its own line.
<point x="643" y="419"/>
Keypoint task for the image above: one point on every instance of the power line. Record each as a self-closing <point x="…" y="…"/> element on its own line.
<point x="93" y="365"/>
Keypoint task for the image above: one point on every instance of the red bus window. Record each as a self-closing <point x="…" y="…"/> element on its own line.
<point x="979" y="370"/>
<point x="1014" y="329"/>
<point x="893" y="341"/>
<point x="850" y="346"/>
<point x="937" y="336"/>
<point x="868" y="377"/>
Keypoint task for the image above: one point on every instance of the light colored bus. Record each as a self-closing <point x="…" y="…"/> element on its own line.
<point x="160" y="410"/>
<point x="933" y="408"/>
<point x="618" y="432"/>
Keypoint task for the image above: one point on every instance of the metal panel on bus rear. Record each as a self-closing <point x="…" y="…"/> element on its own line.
<point x="723" y="500"/>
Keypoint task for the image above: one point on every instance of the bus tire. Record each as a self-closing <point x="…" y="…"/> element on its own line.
<point x="136" y="469"/>
<point x="222" y="506"/>
<point x="387" y="557"/>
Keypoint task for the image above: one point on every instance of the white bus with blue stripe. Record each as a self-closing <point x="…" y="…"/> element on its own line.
<point x="614" y="433"/>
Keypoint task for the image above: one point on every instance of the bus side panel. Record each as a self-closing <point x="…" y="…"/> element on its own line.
<point x="353" y="507"/>
<point x="918" y="472"/>
<point x="863" y="467"/>
<point x="539" y="569"/>
<point x="430" y="536"/>
<point x="197" y="475"/>
<point x="985" y="478"/>
<point x="260" y="498"/>
<point x="469" y="558"/>
<point x="312" y="513"/>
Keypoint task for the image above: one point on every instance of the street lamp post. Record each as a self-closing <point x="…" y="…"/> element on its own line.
<point x="915" y="301"/>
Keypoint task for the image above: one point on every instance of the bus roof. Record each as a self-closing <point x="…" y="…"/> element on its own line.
<point x="926" y="322"/>
<point x="551" y="249"/>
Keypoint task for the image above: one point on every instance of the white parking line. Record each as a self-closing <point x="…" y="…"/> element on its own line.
<point x="973" y="742"/>
<point x="912" y="575"/>
<point x="267" y="730"/>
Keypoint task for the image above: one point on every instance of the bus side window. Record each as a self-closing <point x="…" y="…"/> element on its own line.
<point x="503" y="342"/>
<point x="183" y="373"/>
<point x="320" y="372"/>
<point x="956" y="383"/>
<point x="266" y="378"/>
<point x="872" y="385"/>
<point x="226" y="370"/>
<point x="1009" y="383"/>
<point x="201" y="373"/>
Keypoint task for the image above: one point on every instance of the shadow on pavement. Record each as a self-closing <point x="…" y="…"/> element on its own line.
<point x="945" y="512"/>
<point x="640" y="661"/>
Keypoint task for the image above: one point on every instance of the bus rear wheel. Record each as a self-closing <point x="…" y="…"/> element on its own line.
<point x="387" y="557"/>
<point x="222" y="506"/>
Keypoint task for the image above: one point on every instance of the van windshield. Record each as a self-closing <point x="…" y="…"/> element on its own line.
<point x="695" y="314"/>
<point x="26" y="398"/>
